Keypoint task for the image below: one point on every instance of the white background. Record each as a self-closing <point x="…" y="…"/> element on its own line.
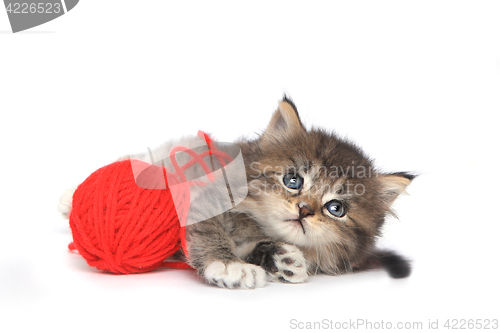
<point x="416" y="84"/>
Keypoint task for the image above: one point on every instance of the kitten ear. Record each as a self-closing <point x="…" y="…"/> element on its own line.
<point x="285" y="120"/>
<point x="393" y="184"/>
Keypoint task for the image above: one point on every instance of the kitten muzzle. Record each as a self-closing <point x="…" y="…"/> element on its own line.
<point x="299" y="220"/>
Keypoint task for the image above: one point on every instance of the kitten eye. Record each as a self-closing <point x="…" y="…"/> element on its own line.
<point x="293" y="181"/>
<point x="335" y="207"/>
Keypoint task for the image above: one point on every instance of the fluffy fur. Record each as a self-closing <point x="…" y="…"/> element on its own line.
<point x="274" y="217"/>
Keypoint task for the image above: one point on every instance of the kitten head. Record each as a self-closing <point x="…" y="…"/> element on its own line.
<point x="317" y="191"/>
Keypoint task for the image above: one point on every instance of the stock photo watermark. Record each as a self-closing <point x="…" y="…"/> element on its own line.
<point x="26" y="14"/>
<point x="214" y="171"/>
<point x="334" y="171"/>
<point x="367" y="324"/>
<point x="344" y="180"/>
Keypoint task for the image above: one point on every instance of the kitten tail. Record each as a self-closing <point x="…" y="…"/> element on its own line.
<point x="397" y="266"/>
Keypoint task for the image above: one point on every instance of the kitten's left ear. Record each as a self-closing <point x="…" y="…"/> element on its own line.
<point x="285" y="120"/>
<point x="393" y="184"/>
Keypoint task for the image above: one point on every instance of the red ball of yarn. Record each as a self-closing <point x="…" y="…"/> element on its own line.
<point x="120" y="227"/>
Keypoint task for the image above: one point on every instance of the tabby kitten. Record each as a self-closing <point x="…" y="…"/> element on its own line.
<point x="315" y="204"/>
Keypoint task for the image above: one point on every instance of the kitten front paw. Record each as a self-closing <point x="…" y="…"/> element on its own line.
<point x="235" y="275"/>
<point x="282" y="262"/>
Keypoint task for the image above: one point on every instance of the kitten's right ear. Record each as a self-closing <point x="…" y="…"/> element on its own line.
<point x="284" y="121"/>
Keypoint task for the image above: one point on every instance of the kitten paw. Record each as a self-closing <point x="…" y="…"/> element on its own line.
<point x="235" y="275"/>
<point x="283" y="262"/>
<point x="65" y="202"/>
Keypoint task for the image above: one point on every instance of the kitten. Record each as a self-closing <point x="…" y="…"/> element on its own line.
<point x="315" y="204"/>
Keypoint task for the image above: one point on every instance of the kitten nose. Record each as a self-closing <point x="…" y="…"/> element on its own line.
<point x="304" y="210"/>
